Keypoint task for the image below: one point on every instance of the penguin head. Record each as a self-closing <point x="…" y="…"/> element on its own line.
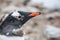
<point x="20" y="14"/>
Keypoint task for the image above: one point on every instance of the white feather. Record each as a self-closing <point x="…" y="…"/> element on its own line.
<point x="14" y="14"/>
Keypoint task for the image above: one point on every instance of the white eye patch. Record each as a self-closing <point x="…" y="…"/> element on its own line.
<point x="14" y="14"/>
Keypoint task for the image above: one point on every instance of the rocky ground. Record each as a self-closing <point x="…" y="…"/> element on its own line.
<point x="33" y="28"/>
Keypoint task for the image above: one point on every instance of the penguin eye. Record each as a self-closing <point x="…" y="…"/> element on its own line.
<point x="19" y="17"/>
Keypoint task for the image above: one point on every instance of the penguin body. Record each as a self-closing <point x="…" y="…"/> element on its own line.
<point x="14" y="21"/>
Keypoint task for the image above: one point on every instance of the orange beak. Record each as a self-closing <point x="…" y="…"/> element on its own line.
<point x="34" y="14"/>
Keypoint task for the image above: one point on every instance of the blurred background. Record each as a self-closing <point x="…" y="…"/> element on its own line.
<point x="33" y="29"/>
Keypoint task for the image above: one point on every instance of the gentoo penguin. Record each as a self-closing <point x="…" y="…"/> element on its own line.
<point x="15" y="20"/>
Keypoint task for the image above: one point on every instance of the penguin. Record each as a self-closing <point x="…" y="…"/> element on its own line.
<point x="14" y="21"/>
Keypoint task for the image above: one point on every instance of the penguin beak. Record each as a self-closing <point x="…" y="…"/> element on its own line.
<point x="33" y="14"/>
